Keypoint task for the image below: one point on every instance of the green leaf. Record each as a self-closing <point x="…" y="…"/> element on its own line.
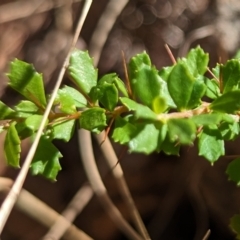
<point x="145" y="81"/>
<point x="93" y="119"/>
<point x="112" y="78"/>
<point x="207" y="119"/>
<point x="46" y="159"/>
<point x="109" y="96"/>
<point x="33" y="122"/>
<point x="146" y="138"/>
<point x="231" y="75"/>
<point x="181" y="130"/>
<point x="165" y="72"/>
<point x="25" y="109"/>
<point x="210" y="144"/>
<point x="5" y="111"/>
<point x="180" y="85"/>
<point x="140" y="111"/>
<point x="163" y="129"/>
<point x="197" y="61"/>
<point x="198" y="91"/>
<point x="66" y="102"/>
<point x="79" y="100"/>
<point x="63" y="130"/>
<point x="227" y="103"/>
<point x="159" y="105"/>
<point x="212" y="90"/>
<point x="229" y="131"/>
<point x="235" y="225"/>
<point x="169" y="147"/>
<point x="123" y="130"/>
<point x="25" y="80"/>
<point x="12" y="147"/>
<point x="23" y="130"/>
<point x="233" y="171"/>
<point x="82" y="71"/>
<point x="95" y="94"/>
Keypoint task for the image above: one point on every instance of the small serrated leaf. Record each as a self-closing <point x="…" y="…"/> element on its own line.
<point x="229" y="131"/>
<point x="207" y="119"/>
<point x="5" y="111"/>
<point x="12" y="147"/>
<point x="82" y="70"/>
<point x="197" y="61"/>
<point x="210" y="144"/>
<point x="123" y="130"/>
<point x="33" y="122"/>
<point x="212" y="90"/>
<point x="169" y="147"/>
<point x="140" y="111"/>
<point x="235" y="225"/>
<point x="198" y="91"/>
<point x="66" y="102"/>
<point x="181" y="130"/>
<point x="231" y="75"/>
<point x="145" y="139"/>
<point x="109" y="96"/>
<point x="233" y="171"/>
<point x="112" y="78"/>
<point x="25" y="80"/>
<point x="144" y="79"/>
<point x="25" y="109"/>
<point x="79" y="100"/>
<point x="180" y="85"/>
<point x="229" y="102"/>
<point x="46" y="159"/>
<point x="93" y="119"/>
<point x="63" y="130"/>
<point x="159" y="105"/>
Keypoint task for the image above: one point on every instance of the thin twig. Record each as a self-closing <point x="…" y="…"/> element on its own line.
<point x="206" y="236"/>
<point x="45" y="215"/>
<point x="170" y="54"/>
<point x="14" y="192"/>
<point x="38" y="210"/>
<point x="126" y="75"/>
<point x="95" y="180"/>
<point x="104" y="25"/>
<point x="77" y="204"/>
<point x="112" y="159"/>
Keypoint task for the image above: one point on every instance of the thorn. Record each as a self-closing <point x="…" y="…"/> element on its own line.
<point x="107" y="131"/>
<point x="126" y="75"/>
<point x="170" y="54"/>
<point x="212" y="74"/>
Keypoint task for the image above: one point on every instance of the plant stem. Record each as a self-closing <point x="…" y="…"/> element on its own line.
<point x="115" y="166"/>
<point x="79" y="201"/>
<point x="89" y="164"/>
<point x="14" y="192"/>
<point x="38" y="210"/>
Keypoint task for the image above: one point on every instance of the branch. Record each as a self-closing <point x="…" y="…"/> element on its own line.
<point x="79" y="201"/>
<point x="115" y="166"/>
<point x="38" y="210"/>
<point x="14" y="192"/>
<point x="89" y="164"/>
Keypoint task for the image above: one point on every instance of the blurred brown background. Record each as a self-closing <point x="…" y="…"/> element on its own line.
<point x="178" y="198"/>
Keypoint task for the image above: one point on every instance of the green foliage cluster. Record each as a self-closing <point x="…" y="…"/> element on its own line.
<point x="155" y="111"/>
